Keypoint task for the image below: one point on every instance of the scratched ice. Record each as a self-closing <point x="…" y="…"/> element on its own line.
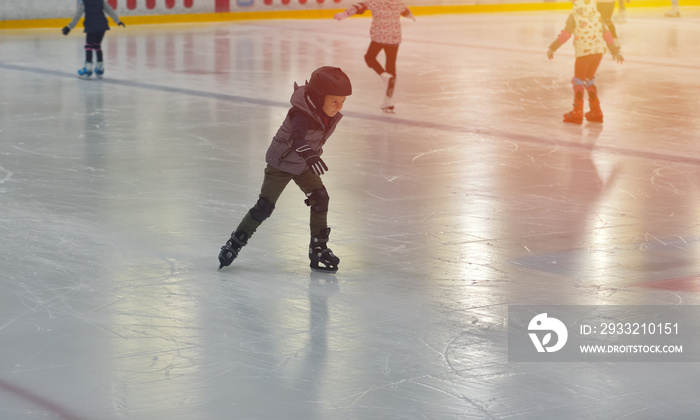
<point x="116" y="195"/>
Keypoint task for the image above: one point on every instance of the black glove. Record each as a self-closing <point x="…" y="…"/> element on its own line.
<point x="313" y="160"/>
<point x="65" y="30"/>
<point x="121" y="24"/>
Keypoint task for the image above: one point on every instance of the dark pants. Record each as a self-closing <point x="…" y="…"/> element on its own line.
<point x="390" y="50"/>
<point x="93" y="42"/>
<point x="274" y="183"/>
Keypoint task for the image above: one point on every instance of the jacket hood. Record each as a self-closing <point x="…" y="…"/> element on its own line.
<point x="304" y="99"/>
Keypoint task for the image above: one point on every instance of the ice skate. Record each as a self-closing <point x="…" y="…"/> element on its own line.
<point x="322" y="258"/>
<point x="576" y="115"/>
<point x="86" y="71"/>
<point x="233" y="246"/>
<point x="386" y="77"/>
<point x="387" y="105"/>
<point x="99" y="70"/>
<point x="675" y="12"/>
<point x="595" y="114"/>
<point x="390" y="87"/>
<point x="621" y="17"/>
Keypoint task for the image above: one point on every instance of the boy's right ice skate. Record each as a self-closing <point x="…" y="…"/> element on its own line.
<point x="322" y="258"/>
<point x="85" y="72"/>
<point x="233" y="246"/>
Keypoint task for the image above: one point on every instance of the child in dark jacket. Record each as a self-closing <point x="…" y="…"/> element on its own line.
<point x="295" y="154"/>
<point x="590" y="37"/>
<point x="95" y="27"/>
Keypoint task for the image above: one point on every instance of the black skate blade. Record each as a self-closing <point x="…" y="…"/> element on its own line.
<point x="223" y="264"/>
<point x="323" y="269"/>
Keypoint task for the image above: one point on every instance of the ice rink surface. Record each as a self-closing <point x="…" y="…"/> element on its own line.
<point x="116" y="195"/>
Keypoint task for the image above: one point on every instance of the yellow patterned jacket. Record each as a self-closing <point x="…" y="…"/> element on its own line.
<point x="589" y="31"/>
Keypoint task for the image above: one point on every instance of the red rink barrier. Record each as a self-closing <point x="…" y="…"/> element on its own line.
<point x="221" y="6"/>
<point x="152" y="4"/>
<point x="287" y="2"/>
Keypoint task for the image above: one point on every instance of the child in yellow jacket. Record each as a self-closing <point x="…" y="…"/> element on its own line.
<point x="590" y="39"/>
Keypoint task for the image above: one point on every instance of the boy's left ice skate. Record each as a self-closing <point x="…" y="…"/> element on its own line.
<point x="233" y="246"/>
<point x="322" y="258"/>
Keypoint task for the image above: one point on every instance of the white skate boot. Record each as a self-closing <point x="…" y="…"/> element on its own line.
<point x="675" y="12"/>
<point x="86" y="71"/>
<point x="99" y="69"/>
<point x="388" y="105"/>
<point x="386" y="77"/>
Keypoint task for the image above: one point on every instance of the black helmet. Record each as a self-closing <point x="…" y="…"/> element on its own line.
<point x="330" y="81"/>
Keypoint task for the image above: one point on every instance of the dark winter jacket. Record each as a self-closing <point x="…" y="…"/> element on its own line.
<point x="281" y="154"/>
<point x="95" y="20"/>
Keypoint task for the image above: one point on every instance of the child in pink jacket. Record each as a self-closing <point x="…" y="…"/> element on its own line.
<point x="590" y="38"/>
<point x="385" y="34"/>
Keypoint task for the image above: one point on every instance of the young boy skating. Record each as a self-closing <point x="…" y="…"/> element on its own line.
<point x="295" y="154"/>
